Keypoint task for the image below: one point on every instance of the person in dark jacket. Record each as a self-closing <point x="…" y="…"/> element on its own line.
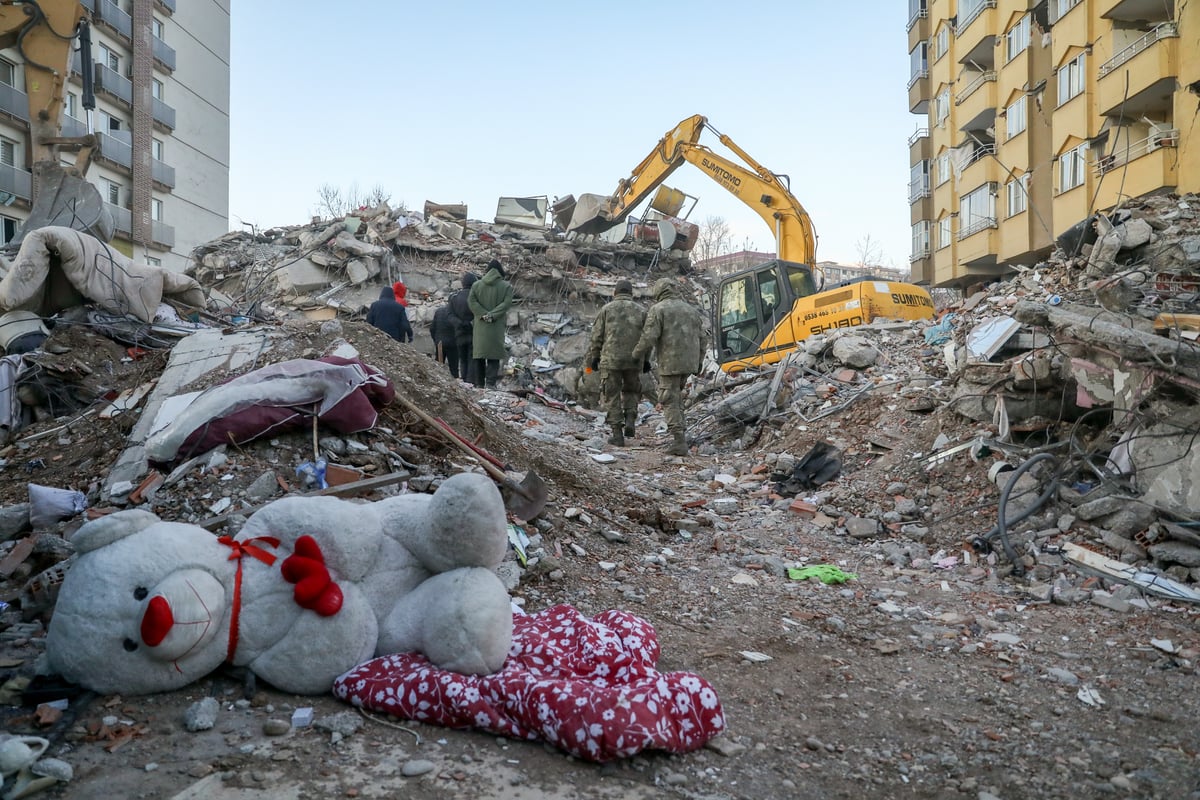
<point x="390" y="317"/>
<point x="444" y="330"/>
<point x="490" y="299"/>
<point x="460" y="310"/>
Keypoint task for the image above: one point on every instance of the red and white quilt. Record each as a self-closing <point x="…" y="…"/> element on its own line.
<point x="588" y="686"/>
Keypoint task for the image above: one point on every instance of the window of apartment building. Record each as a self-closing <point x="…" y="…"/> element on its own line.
<point x="942" y="169"/>
<point x="944" y="234"/>
<point x="1017" y="39"/>
<point x="156" y="27"/>
<point x="941" y="107"/>
<point x="977" y="210"/>
<point x="1071" y="166"/>
<point x="8" y="72"/>
<point x="1071" y="78"/>
<point x="109" y="123"/>
<point x="8" y="228"/>
<point x="918" y="180"/>
<point x="916" y="11"/>
<point x="152" y="261"/>
<point x="920" y="239"/>
<point x="156" y="209"/>
<point x="71" y="105"/>
<point x="918" y="63"/>
<point x="1014" y="117"/>
<point x="8" y="152"/>
<point x="110" y="58"/>
<point x="941" y="42"/>
<point x="156" y="88"/>
<point x="156" y="149"/>
<point x="1018" y="195"/>
<point x="1061" y="7"/>
<point x="112" y="192"/>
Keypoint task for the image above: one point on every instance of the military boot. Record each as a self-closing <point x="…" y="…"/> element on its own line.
<point x="617" y="438"/>
<point x="679" y="446"/>
<point x="630" y="421"/>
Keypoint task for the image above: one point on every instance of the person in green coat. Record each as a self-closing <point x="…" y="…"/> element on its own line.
<point x="490" y="299"/>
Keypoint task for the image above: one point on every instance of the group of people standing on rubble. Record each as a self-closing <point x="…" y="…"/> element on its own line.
<point x="623" y="337"/>
<point x="468" y="332"/>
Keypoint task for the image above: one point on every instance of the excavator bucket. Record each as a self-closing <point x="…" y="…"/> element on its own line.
<point x="67" y="200"/>
<point x="586" y="218"/>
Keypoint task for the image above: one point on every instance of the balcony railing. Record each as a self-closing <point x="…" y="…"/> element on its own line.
<point x="116" y="150"/>
<point x="916" y="76"/>
<point x="1163" y="30"/>
<point x="917" y="255"/>
<point x="73" y="127"/>
<point x="166" y="5"/>
<point x="163" y="53"/>
<point x="13" y="101"/>
<point x="968" y="15"/>
<point x="110" y="13"/>
<point x="980" y="223"/>
<point x="112" y="82"/>
<point x="162" y="233"/>
<point x="122" y="219"/>
<point x="973" y="86"/>
<point x="162" y="113"/>
<point x="918" y="189"/>
<point x="162" y="173"/>
<point x="988" y="149"/>
<point x="1123" y="155"/>
<point x="16" y="181"/>
<point x="920" y="134"/>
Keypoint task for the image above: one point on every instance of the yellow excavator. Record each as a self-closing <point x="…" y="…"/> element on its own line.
<point x="761" y="313"/>
<point x="44" y="33"/>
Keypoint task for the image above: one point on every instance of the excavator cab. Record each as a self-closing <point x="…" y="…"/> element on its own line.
<point x="753" y="303"/>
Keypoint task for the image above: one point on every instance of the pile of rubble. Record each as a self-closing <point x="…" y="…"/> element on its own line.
<point x="334" y="268"/>
<point x="1060" y="404"/>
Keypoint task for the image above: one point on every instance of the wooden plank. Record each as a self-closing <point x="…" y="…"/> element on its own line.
<point x="345" y="490"/>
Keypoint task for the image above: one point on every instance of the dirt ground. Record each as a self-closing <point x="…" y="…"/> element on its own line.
<point x="933" y="673"/>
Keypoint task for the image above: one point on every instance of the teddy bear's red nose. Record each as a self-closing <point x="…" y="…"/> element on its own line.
<point x="157" y="621"/>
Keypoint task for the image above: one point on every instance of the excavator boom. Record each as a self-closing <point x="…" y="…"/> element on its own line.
<point x="43" y="32"/>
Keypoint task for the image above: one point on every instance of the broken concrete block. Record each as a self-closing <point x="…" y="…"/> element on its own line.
<point x="303" y="276"/>
<point x="1095" y="509"/>
<point x="1176" y="552"/>
<point x="13" y="520"/>
<point x="357" y="271"/>
<point x="855" y="351"/>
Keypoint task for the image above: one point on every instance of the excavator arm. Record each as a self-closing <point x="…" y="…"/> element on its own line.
<point x="762" y="190"/>
<point x="43" y="32"/>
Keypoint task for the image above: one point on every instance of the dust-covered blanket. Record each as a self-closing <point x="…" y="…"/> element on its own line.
<point x="588" y="686"/>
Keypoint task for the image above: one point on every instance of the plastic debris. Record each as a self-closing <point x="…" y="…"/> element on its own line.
<point x="826" y="573"/>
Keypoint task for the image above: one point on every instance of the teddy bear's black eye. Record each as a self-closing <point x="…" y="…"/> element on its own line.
<point x="140" y="594"/>
<point x="130" y="645"/>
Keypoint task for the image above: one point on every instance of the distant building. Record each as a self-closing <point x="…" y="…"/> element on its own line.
<point x="162" y="114"/>
<point x="833" y="271"/>
<point x="1037" y="115"/>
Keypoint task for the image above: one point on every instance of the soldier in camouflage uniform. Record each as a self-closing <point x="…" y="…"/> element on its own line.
<point x="675" y="330"/>
<point x="614" y="333"/>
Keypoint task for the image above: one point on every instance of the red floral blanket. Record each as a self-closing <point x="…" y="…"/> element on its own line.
<point x="588" y="686"/>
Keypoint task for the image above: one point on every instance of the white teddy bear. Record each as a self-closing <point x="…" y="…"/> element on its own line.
<point x="309" y="588"/>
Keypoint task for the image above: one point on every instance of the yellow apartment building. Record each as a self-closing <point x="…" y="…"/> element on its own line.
<point x="1039" y="114"/>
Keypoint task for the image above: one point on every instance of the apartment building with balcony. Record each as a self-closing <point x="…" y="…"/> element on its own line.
<point x="1038" y="114"/>
<point x="161" y="72"/>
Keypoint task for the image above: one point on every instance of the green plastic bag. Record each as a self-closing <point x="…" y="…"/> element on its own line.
<point x="826" y="573"/>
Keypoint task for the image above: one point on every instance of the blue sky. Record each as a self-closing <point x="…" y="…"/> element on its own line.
<point x="468" y="101"/>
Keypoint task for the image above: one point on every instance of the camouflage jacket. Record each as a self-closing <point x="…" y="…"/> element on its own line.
<point x="674" y="329"/>
<point x="615" y="332"/>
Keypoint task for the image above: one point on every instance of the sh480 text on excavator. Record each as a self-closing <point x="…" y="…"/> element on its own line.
<point x="761" y="313"/>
